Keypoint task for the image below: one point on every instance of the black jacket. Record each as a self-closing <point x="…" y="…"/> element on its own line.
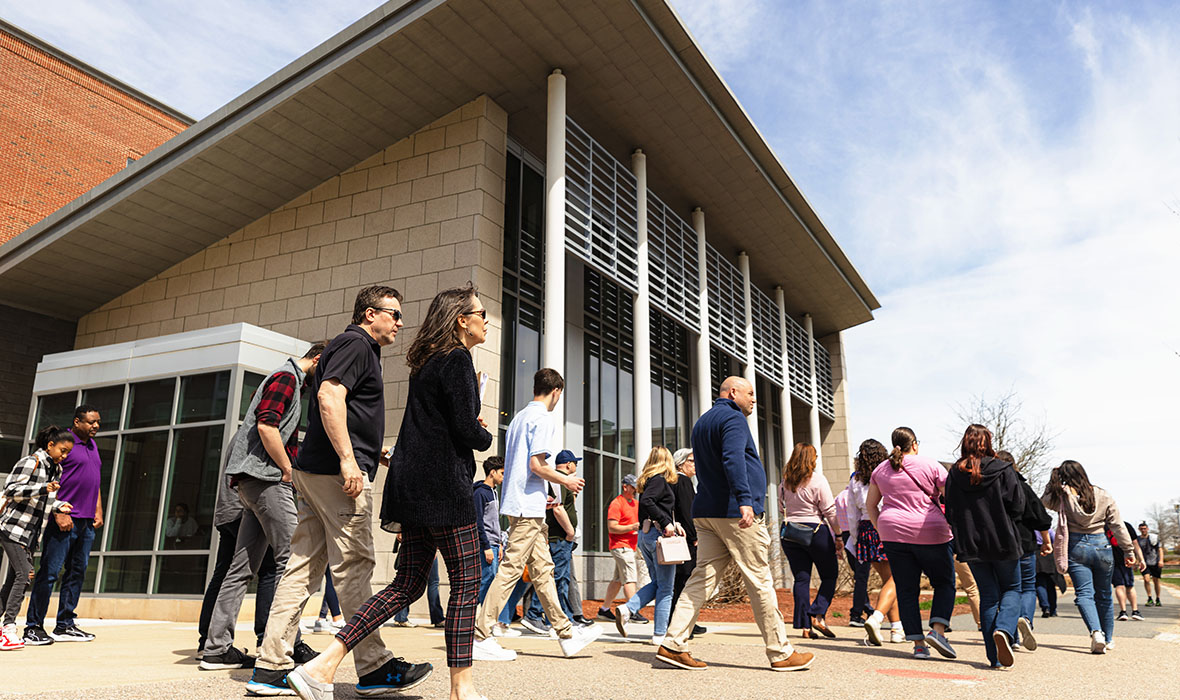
<point x="433" y="466"/>
<point x="657" y="502"/>
<point x="1034" y="518"/>
<point x="685" y="492"/>
<point x="983" y="516"/>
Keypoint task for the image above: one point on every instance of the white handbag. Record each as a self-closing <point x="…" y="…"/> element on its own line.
<point x="672" y="550"/>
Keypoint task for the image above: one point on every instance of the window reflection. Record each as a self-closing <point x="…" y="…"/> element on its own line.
<point x="56" y="409"/>
<point x="137" y="495"/>
<point x="192" y="488"/>
<point x="109" y="402"/>
<point x="203" y="397"/>
<point x="150" y="403"/>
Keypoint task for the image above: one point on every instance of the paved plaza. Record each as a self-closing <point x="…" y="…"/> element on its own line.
<point x="138" y="659"/>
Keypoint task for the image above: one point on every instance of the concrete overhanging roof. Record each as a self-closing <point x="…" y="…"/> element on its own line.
<point x="635" y="77"/>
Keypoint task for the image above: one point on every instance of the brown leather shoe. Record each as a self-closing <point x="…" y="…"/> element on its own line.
<point x="683" y="659"/>
<point x="799" y="661"/>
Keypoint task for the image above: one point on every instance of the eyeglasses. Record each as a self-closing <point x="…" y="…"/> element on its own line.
<point x="482" y="313"/>
<point x="396" y="313"/>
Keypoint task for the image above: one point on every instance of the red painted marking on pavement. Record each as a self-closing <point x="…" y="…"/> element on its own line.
<point x="906" y="673"/>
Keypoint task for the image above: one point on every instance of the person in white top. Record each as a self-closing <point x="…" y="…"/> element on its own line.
<point x="530" y="441"/>
<point x="866" y="541"/>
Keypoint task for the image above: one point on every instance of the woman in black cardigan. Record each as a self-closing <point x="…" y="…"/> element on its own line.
<point x="428" y="495"/>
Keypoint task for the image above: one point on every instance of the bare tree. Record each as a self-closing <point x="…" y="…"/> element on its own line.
<point x="1029" y="440"/>
<point x="1164" y="519"/>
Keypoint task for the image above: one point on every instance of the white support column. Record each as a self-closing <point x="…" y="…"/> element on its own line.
<point x="705" y="392"/>
<point x="814" y="413"/>
<point x="748" y="316"/>
<point x="553" y="335"/>
<point x="784" y="396"/>
<point x="642" y="332"/>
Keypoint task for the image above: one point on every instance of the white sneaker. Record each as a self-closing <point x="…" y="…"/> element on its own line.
<point x="873" y="628"/>
<point x="1097" y="642"/>
<point x="1110" y="645"/>
<point x="657" y="641"/>
<point x="579" y="639"/>
<point x="490" y="650"/>
<point x="320" y="626"/>
<point x="622" y="617"/>
<point x="897" y="636"/>
<point x="502" y="630"/>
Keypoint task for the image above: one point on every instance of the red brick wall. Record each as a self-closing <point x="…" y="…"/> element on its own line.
<point x="62" y="132"/>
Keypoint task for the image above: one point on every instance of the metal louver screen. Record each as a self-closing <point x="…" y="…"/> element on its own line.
<point x="674" y="274"/>
<point x="727" y="308"/>
<point x="823" y="378"/>
<point x="601" y="208"/>
<point x="768" y="343"/>
<point x="800" y="361"/>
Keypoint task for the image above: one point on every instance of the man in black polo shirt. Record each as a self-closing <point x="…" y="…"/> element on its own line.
<point x="345" y="430"/>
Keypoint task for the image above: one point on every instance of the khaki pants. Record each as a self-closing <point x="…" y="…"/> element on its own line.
<point x="334" y="530"/>
<point x="967" y="583"/>
<point x="528" y="545"/>
<point x="720" y="541"/>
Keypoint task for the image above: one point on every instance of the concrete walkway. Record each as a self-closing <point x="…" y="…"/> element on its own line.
<point x="155" y="660"/>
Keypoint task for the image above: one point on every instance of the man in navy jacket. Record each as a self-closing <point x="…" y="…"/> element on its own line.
<point x="730" y="517"/>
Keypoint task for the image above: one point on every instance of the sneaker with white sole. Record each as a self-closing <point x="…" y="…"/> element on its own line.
<point x="657" y="641"/>
<point x="268" y="683"/>
<point x="1122" y="616"/>
<point x="231" y="658"/>
<point x="1003" y="648"/>
<point x="395" y="675"/>
<point x="10" y="639"/>
<point x="1136" y="615"/>
<point x="502" y="630"/>
<point x="579" y="639"/>
<point x="1024" y="629"/>
<point x="71" y="634"/>
<point x="873" y="629"/>
<point x="307" y="687"/>
<point x="1097" y="642"/>
<point x="897" y="636"/>
<point x="535" y="626"/>
<point x="921" y="652"/>
<point x="941" y="644"/>
<point x="622" y="617"/>
<point x="490" y="650"/>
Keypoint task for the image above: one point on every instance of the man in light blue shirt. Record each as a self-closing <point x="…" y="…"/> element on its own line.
<point x="530" y="441"/>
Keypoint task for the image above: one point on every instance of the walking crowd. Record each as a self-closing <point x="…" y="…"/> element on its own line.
<point x="293" y="512"/>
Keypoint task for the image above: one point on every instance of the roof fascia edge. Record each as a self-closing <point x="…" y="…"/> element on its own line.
<point x="741" y="143"/>
<point x="222" y="122"/>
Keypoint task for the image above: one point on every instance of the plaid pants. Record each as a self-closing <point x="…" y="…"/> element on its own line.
<point x="461" y="553"/>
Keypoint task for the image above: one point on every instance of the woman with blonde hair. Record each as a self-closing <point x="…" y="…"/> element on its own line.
<point x="657" y="508"/>
<point x="809" y="538"/>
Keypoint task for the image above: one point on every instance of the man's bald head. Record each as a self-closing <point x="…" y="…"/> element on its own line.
<point x="740" y="391"/>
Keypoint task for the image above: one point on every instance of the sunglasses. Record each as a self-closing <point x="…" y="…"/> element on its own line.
<point x="396" y="313"/>
<point x="482" y="313"/>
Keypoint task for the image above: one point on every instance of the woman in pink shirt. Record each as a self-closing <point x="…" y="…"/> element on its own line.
<point x="808" y="538"/>
<point x="904" y="507"/>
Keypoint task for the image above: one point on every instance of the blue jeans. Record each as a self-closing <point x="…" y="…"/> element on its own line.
<point x="1047" y="592"/>
<point x="908" y="562"/>
<point x="562" y="552"/>
<point x="999" y="599"/>
<point x="71" y="550"/>
<point x="487" y="572"/>
<point x="821" y="553"/>
<point x="331" y="602"/>
<point x="659" y="588"/>
<point x="1028" y="588"/>
<point x="513" y="600"/>
<point x="860" y="582"/>
<point x="436" y="610"/>
<point x="1090" y="565"/>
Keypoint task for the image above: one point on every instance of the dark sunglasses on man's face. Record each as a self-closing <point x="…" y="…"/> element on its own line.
<point x="396" y="313"/>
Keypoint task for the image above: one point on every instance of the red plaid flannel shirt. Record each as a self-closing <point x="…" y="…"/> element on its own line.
<point x="277" y="396"/>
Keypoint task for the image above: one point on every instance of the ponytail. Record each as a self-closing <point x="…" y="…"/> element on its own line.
<point x="50" y="434"/>
<point x="903" y="440"/>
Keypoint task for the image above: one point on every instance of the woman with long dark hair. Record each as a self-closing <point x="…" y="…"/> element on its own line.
<point x="866" y="540"/>
<point x="984" y="501"/>
<point x="903" y="505"/>
<point x="1088" y="511"/>
<point x="809" y="538"/>
<point x="428" y="492"/>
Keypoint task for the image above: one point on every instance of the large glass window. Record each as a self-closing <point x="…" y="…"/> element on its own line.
<point x="109" y="402"/>
<point x="522" y="299"/>
<point x="136" y="502"/>
<point x="670" y="385"/>
<point x="56" y="409"/>
<point x="150" y="404"/>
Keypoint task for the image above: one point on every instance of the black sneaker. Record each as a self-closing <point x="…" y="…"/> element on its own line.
<point x="36" y="637"/>
<point x="605" y="614"/>
<point x="268" y="683"/>
<point x="1122" y="616"/>
<point x="71" y="634"/>
<point x="302" y="653"/>
<point x="698" y="629"/>
<point x="395" y="674"/>
<point x="636" y="617"/>
<point x="856" y="621"/>
<point x="234" y="658"/>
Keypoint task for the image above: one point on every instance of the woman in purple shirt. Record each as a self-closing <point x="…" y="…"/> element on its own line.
<point x="903" y="505"/>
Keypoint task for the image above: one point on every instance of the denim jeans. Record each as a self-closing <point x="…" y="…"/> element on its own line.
<point x="1028" y="588"/>
<point x="436" y="610"/>
<point x="860" y="583"/>
<point x="908" y="562"/>
<point x="487" y="572"/>
<point x="659" y="588"/>
<point x="71" y="550"/>
<point x="513" y="600"/>
<point x="999" y="599"/>
<point x="331" y="604"/>
<point x="822" y="554"/>
<point x="1090" y="565"/>
<point x="1047" y="592"/>
<point x="562" y="553"/>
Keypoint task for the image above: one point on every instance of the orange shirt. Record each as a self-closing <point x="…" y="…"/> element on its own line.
<point x="626" y="513"/>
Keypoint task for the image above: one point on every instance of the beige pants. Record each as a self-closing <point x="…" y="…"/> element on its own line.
<point x="528" y="545"/>
<point x="967" y="583"/>
<point x="334" y="530"/>
<point x="720" y="541"/>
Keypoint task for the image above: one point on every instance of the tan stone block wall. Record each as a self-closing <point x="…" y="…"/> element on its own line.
<point x="424" y="214"/>
<point x="838" y="446"/>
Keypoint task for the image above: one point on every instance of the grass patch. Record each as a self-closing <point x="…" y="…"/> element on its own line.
<point x="925" y="604"/>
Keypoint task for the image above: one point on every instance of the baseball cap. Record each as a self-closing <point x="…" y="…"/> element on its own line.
<point x="566" y="456"/>
<point x="630" y="480"/>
